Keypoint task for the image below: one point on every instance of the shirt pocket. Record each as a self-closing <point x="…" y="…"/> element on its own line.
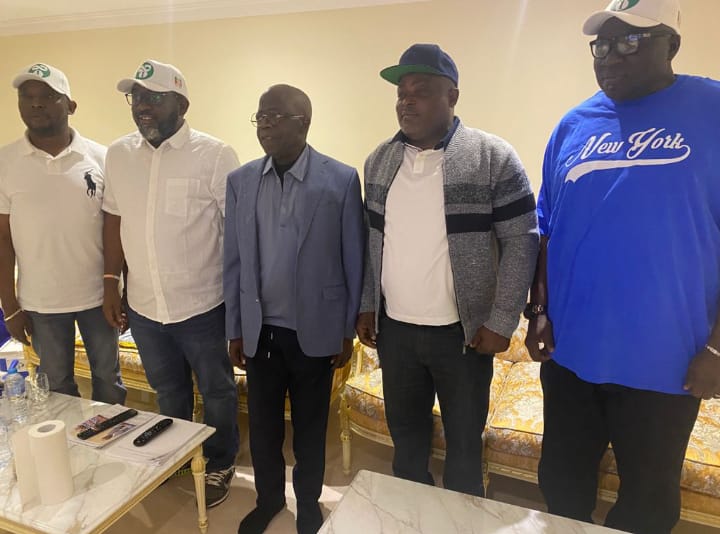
<point x="179" y="192"/>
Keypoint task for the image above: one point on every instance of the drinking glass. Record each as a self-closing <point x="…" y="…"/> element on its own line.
<point x="40" y="388"/>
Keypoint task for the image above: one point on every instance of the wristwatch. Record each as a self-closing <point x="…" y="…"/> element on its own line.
<point x="533" y="310"/>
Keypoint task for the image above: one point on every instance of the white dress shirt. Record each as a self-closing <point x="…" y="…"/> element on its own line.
<point x="171" y="201"/>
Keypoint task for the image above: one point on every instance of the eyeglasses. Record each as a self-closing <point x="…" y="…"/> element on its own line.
<point x="152" y="98"/>
<point x="625" y="45"/>
<point x="272" y="119"/>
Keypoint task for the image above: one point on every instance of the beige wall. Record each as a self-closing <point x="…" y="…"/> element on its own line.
<point x="522" y="64"/>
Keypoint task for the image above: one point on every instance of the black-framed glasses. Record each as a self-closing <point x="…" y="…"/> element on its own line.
<point x="271" y="119"/>
<point x="625" y="45"/>
<point x="152" y="98"/>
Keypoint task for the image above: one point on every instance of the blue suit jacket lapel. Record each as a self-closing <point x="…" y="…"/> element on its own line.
<point x="313" y="190"/>
<point x="248" y="213"/>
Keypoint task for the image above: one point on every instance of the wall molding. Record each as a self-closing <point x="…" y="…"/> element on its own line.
<point x="83" y="17"/>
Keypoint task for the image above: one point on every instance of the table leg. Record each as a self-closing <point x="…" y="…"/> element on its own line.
<point x="198" y="471"/>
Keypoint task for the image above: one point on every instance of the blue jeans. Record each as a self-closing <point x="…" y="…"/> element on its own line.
<point x="170" y="353"/>
<point x="418" y="361"/>
<point x="53" y="339"/>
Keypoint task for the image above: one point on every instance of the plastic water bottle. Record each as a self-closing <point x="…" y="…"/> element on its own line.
<point x="15" y="391"/>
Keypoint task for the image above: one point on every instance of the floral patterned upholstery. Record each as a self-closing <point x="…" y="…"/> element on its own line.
<point x="131" y="367"/>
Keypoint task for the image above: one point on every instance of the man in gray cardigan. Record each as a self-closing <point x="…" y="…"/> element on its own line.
<point x="452" y="243"/>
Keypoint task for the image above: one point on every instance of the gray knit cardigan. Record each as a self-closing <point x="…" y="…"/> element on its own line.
<point x="491" y="226"/>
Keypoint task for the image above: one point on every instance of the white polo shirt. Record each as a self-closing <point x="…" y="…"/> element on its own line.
<point x="171" y="201"/>
<point x="56" y="223"/>
<point x="417" y="279"/>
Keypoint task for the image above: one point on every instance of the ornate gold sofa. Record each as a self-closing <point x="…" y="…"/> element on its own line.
<point x="513" y="434"/>
<point x="131" y="369"/>
<point x="133" y="374"/>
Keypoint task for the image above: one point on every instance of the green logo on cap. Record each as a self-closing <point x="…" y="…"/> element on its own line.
<point x="623" y="5"/>
<point x="39" y="70"/>
<point x="144" y="72"/>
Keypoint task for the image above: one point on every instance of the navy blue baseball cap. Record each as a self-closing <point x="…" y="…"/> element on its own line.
<point x="423" y="59"/>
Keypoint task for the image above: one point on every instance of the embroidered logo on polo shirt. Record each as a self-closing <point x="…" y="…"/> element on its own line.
<point x="623" y="5"/>
<point x="40" y="70"/>
<point x="145" y="71"/>
<point x="91" y="186"/>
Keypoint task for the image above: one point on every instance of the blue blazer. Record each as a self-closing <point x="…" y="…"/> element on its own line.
<point x="329" y="256"/>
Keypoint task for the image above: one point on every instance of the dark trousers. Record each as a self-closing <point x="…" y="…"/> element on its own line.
<point x="418" y="362"/>
<point x="649" y="433"/>
<point x="280" y="366"/>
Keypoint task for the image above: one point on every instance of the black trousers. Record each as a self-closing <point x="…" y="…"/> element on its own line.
<point x="649" y="433"/>
<point x="280" y="366"/>
<point x="417" y="362"/>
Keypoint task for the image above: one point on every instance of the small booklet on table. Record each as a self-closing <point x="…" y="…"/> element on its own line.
<point x="111" y="434"/>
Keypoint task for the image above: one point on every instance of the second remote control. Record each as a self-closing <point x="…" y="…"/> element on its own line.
<point x="152" y="432"/>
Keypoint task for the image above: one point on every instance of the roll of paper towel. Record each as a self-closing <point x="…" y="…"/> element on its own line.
<point x="49" y="448"/>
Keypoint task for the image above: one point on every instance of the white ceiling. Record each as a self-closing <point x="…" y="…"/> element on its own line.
<point x="28" y="16"/>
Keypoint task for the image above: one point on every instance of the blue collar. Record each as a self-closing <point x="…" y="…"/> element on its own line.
<point x="400" y="136"/>
<point x="298" y="169"/>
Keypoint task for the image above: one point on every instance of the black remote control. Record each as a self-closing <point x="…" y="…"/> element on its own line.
<point x="152" y="432"/>
<point x="104" y="425"/>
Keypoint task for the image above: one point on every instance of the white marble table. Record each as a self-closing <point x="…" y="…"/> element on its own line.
<point x="376" y="503"/>
<point x="105" y="488"/>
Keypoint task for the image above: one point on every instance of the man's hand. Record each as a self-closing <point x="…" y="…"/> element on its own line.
<point x="112" y="306"/>
<point x="486" y="341"/>
<point x="20" y="327"/>
<point x="340" y="360"/>
<point x="703" y="376"/>
<point x="365" y="328"/>
<point x="124" y="321"/>
<point x="539" y="340"/>
<point x="235" y="350"/>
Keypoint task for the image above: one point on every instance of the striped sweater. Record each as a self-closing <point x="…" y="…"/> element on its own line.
<point x="491" y="226"/>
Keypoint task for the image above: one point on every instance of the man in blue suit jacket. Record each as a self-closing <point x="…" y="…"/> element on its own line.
<point x="293" y="277"/>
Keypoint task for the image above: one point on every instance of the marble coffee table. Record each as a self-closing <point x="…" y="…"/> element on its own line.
<point x="105" y="488"/>
<point x="376" y="503"/>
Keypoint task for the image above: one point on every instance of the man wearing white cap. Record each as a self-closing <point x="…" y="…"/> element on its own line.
<point x="164" y="214"/>
<point x="627" y="288"/>
<point x="51" y="193"/>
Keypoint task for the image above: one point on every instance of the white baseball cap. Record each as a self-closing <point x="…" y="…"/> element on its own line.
<point x="42" y="72"/>
<point x="639" y="13"/>
<point x="156" y="76"/>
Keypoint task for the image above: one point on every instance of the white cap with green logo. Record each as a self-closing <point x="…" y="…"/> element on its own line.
<point x="156" y="76"/>
<point x="639" y="13"/>
<point x="42" y="72"/>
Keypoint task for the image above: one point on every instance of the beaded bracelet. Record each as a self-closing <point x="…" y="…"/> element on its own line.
<point x="712" y="350"/>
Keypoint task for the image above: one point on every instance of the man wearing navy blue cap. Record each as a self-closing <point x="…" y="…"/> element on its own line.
<point x="452" y="242"/>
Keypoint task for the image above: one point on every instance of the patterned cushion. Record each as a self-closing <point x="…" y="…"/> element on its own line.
<point x="701" y="470"/>
<point x="515" y="427"/>
<point x="514" y="438"/>
<point x="517" y="352"/>
<point x="129" y="357"/>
